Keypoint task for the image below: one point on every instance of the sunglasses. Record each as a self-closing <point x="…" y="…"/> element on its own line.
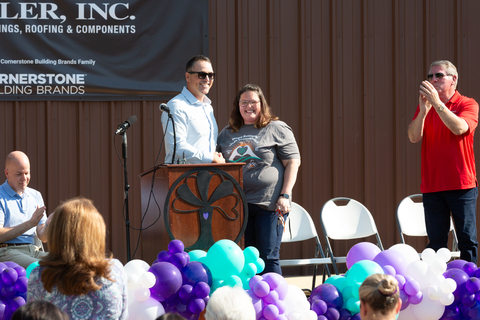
<point x="203" y="75"/>
<point x="438" y="75"/>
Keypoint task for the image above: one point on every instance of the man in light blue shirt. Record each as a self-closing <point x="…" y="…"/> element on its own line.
<point x="195" y="125"/>
<point x="22" y="213"/>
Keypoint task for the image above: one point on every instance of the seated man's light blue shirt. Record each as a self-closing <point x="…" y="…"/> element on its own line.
<point x="16" y="209"/>
<point x="195" y="126"/>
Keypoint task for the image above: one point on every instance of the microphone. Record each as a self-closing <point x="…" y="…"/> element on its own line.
<point x="124" y="126"/>
<point x="163" y="107"/>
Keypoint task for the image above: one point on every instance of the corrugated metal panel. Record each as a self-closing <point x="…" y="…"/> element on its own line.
<point x="343" y="74"/>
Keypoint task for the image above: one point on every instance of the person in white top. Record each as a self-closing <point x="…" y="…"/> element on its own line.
<point x="195" y="125"/>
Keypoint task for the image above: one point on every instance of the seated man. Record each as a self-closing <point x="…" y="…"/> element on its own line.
<point x="21" y="213"/>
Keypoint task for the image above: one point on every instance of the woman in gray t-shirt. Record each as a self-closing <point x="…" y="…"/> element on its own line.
<point x="268" y="147"/>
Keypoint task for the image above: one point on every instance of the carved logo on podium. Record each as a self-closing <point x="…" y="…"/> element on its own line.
<point x="205" y="198"/>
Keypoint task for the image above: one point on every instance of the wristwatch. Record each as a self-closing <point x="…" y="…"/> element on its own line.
<point x="285" y="195"/>
<point x="440" y="109"/>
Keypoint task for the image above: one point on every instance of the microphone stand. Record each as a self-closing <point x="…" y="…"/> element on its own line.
<point x="127" y="187"/>
<point x="174" y="138"/>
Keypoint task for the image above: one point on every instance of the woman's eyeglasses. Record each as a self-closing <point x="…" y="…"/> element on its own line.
<point x="249" y="103"/>
<point x="437" y="75"/>
<point x="203" y="75"/>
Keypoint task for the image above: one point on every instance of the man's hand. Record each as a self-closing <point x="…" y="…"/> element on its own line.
<point x="218" y="158"/>
<point x="37" y="216"/>
<point x="430" y="94"/>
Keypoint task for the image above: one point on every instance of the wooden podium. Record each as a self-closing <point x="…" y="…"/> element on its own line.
<point x="196" y="203"/>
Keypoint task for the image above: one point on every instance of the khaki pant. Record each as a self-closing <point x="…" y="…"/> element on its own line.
<point x="23" y="255"/>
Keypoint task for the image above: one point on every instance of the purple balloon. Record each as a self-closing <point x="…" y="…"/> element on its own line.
<point x="328" y="293"/>
<point x="196" y="306"/>
<point x="169" y="279"/>
<point x="10" y="264"/>
<point x="411" y="288"/>
<point x="195" y="272"/>
<point x="21" y="285"/>
<point x="270" y="312"/>
<point x="277" y="283"/>
<point x="320" y="307"/>
<point x="16" y="303"/>
<point x="468" y="299"/>
<point x="261" y="289"/>
<point x="9" y="276"/>
<point x="401" y="280"/>
<point x="271" y="297"/>
<point x="361" y="251"/>
<point x="356" y="316"/>
<point x="389" y="270"/>
<point x="456" y="264"/>
<point x="201" y="290"/>
<point x="345" y="314"/>
<point x="460" y="278"/>
<point x="8" y="292"/>
<point x="164" y="256"/>
<point x="473" y="285"/>
<point x="322" y="318"/>
<point x="405" y="300"/>
<point x="175" y="246"/>
<point x="332" y="314"/>
<point x="470" y="268"/>
<point x="416" y="299"/>
<point x="452" y="312"/>
<point x="180" y="260"/>
<point x="20" y="271"/>
<point x="186" y="293"/>
<point x="392" y="258"/>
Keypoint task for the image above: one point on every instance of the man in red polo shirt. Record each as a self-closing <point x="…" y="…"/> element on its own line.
<point x="445" y="121"/>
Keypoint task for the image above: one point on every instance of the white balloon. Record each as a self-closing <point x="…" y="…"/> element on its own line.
<point x="448" y="285"/>
<point x="408" y="252"/>
<point x="438" y="266"/>
<point x="428" y="255"/>
<point x="444" y="254"/>
<point x="420" y="271"/>
<point x="132" y="281"/>
<point x="296" y="301"/>
<point x="406" y="314"/>
<point x="294" y="316"/>
<point x="447" y="299"/>
<point x="149" y="309"/>
<point x="434" y="292"/>
<point x="147" y="279"/>
<point x="309" y="315"/>
<point x="142" y="294"/>
<point x="428" y="309"/>
<point x="437" y="280"/>
<point x="136" y="267"/>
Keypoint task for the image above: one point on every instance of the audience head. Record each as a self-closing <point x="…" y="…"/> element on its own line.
<point x="76" y="243"/>
<point x="170" y="316"/>
<point x="228" y="303"/>
<point x="379" y="297"/>
<point x="17" y="171"/>
<point x="39" y="310"/>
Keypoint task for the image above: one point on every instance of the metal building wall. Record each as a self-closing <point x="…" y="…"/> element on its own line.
<point x="343" y="74"/>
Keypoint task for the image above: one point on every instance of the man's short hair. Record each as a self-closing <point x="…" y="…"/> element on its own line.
<point x="39" y="310"/>
<point x="448" y="66"/>
<point x="228" y="303"/>
<point x="192" y="61"/>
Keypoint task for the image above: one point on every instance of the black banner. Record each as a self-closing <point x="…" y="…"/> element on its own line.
<point x="99" y="50"/>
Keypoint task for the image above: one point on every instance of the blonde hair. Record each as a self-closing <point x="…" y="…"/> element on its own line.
<point x="76" y="242"/>
<point x="380" y="292"/>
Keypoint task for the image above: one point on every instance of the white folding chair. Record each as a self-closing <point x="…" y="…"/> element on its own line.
<point x="300" y="227"/>
<point x="346" y="222"/>
<point x="411" y="221"/>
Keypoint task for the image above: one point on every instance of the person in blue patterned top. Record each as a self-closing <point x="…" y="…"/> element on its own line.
<point x="76" y="275"/>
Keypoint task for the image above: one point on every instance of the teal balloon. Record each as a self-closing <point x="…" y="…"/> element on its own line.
<point x="233" y="281"/>
<point x="225" y="258"/>
<point x="249" y="270"/>
<point x="353" y="305"/>
<point x="347" y="293"/>
<point x="361" y="270"/>
<point x="30" y="268"/>
<point x="260" y="265"/>
<point x="196" y="255"/>
<point x="355" y="289"/>
<point x="216" y="283"/>
<point x="339" y="282"/>
<point x="251" y="254"/>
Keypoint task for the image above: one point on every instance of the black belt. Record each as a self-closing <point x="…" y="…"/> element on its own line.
<point x="4" y="245"/>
